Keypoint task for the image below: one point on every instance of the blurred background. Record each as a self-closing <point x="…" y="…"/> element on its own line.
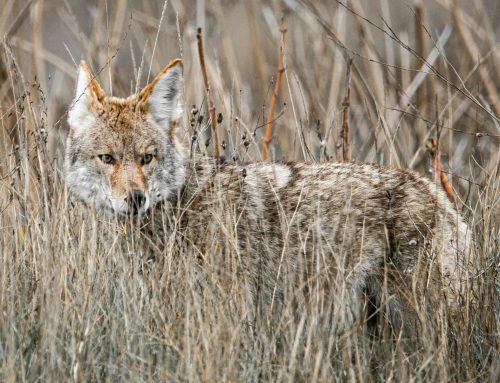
<point x="424" y="78"/>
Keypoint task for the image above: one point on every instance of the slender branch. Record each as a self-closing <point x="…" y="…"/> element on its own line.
<point x="439" y="174"/>
<point x="210" y="100"/>
<point x="281" y="69"/>
<point x="344" y="146"/>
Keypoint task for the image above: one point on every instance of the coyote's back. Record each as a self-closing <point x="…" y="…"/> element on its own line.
<point x="371" y="225"/>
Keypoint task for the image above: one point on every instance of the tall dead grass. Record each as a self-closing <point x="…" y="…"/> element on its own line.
<point x="79" y="298"/>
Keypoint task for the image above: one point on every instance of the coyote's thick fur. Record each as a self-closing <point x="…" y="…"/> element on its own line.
<point x="372" y="225"/>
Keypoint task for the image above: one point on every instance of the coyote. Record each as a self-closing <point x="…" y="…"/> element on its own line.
<point x="374" y="226"/>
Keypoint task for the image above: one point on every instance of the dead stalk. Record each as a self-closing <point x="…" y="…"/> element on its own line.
<point x="439" y="174"/>
<point x="210" y="100"/>
<point x="344" y="147"/>
<point x="434" y="147"/>
<point x="281" y="69"/>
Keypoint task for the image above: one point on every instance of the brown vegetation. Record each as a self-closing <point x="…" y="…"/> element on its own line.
<point x="79" y="298"/>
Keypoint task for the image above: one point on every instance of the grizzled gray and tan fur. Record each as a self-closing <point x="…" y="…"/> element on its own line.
<point x="372" y="225"/>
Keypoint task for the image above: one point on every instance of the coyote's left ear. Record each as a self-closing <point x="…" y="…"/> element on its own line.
<point x="163" y="96"/>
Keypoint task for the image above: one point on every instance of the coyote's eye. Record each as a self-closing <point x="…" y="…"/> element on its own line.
<point x="146" y="159"/>
<point x="107" y="159"/>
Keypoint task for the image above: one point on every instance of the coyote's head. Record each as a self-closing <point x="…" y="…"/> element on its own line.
<point x="122" y="153"/>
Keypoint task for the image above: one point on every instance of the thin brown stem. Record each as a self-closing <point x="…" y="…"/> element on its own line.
<point x="344" y="146"/>
<point x="210" y="100"/>
<point x="439" y="174"/>
<point x="281" y="69"/>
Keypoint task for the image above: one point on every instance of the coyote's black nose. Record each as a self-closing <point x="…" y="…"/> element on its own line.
<point x="136" y="200"/>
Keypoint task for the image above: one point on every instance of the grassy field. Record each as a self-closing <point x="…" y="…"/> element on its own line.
<point x="79" y="298"/>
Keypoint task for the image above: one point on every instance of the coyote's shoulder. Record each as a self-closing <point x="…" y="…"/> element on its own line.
<point x="360" y="221"/>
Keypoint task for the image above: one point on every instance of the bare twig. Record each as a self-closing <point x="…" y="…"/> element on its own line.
<point x="439" y="174"/>
<point x="344" y="147"/>
<point x="210" y="100"/>
<point x="281" y="69"/>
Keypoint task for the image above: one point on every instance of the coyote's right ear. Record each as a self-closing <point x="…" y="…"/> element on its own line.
<point x="89" y="96"/>
<point x="162" y="98"/>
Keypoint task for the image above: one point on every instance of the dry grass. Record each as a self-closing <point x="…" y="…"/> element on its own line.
<point x="79" y="300"/>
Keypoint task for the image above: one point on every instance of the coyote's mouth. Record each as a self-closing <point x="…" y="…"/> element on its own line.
<point x="135" y="204"/>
